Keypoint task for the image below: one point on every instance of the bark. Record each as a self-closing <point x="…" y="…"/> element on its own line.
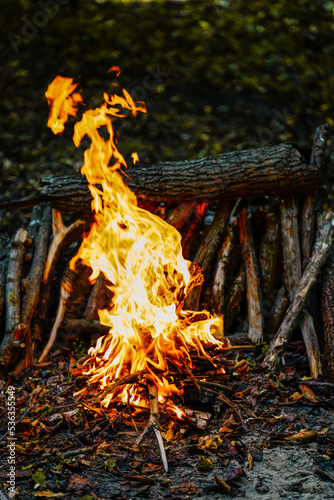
<point x="269" y="257"/>
<point x="237" y="293"/>
<point x="10" y="346"/>
<point x="327" y="313"/>
<point x="293" y="270"/>
<point x="255" y="320"/>
<point x="308" y="210"/>
<point x="277" y="311"/>
<point x="221" y="271"/>
<point x="208" y="249"/>
<point x="192" y="229"/>
<point x="179" y="215"/>
<point x="306" y="284"/>
<point x="274" y="170"/>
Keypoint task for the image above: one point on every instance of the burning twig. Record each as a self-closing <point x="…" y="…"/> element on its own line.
<point x="9" y="349"/>
<point x="255" y="322"/>
<point x="153" y="424"/>
<point x="191" y="375"/>
<point x="93" y="301"/>
<point x="306" y="284"/>
<point x="132" y="378"/>
<point x="65" y="292"/>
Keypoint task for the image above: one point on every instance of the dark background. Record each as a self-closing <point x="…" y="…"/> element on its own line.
<point x="216" y="76"/>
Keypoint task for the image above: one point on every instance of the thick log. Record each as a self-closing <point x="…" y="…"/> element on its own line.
<point x="275" y="170"/>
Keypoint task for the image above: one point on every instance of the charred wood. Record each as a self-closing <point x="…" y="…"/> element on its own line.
<point x="192" y="229"/>
<point x="293" y="271"/>
<point x="208" y="249"/>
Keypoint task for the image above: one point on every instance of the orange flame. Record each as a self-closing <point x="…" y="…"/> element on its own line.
<point x="141" y="257"/>
<point x="62" y="102"/>
<point x="135" y="158"/>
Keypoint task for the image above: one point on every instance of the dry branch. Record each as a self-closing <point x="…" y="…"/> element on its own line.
<point x="269" y="255"/>
<point x="179" y="215"/>
<point x="10" y="346"/>
<point x="293" y="270"/>
<point x="208" y="249"/>
<point x="327" y="313"/>
<point x="306" y="284"/>
<point x="255" y="320"/>
<point x="192" y="229"/>
<point x="308" y="210"/>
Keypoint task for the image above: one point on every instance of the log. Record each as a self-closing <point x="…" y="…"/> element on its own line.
<point x="275" y="170"/>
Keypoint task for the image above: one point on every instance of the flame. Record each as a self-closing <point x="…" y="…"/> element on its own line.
<point x="135" y="158"/>
<point x="141" y="257"/>
<point x="62" y="102"/>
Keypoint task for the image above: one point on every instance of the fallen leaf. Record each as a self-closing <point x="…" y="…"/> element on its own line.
<point x="48" y="494"/>
<point x="204" y="464"/>
<point x="304" y="434"/>
<point x="308" y="393"/>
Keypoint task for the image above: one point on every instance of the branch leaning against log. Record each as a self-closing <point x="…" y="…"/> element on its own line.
<point x="275" y="170"/>
<point x="308" y="213"/>
<point x="306" y="284"/>
<point x="293" y="271"/>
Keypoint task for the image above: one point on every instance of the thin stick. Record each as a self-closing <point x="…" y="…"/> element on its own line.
<point x="126" y="379"/>
<point x="65" y="292"/>
<point x="191" y="375"/>
<point x="153" y="424"/>
<point x="320" y="251"/>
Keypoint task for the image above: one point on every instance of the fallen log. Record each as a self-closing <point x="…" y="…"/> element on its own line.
<point x="275" y="170"/>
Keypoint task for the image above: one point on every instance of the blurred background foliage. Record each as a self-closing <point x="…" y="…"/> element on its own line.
<point x="215" y="75"/>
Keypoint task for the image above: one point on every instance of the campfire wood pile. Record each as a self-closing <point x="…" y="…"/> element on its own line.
<point x="252" y="221"/>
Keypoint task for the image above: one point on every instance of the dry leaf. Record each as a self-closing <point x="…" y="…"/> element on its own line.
<point x="308" y="393"/>
<point x="303" y="434"/>
<point x="48" y="494"/>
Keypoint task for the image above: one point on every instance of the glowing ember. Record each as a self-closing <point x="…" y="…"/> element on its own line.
<point x="141" y="257"/>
